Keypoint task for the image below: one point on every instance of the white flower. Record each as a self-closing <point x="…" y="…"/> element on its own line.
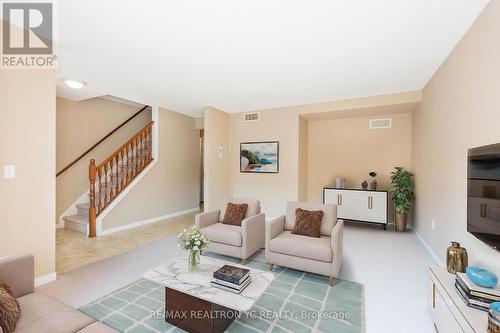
<point x="195" y="248"/>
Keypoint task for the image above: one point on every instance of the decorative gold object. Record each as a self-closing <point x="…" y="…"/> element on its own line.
<point x="456" y="258"/>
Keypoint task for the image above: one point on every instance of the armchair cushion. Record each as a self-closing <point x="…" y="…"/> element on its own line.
<point x="327" y="223"/>
<point x="307" y="222"/>
<point x="253" y="206"/>
<point x="235" y="213"/>
<point x="223" y="233"/>
<point x="302" y="246"/>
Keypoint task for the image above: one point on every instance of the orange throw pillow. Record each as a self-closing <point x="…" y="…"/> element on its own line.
<point x="308" y="222"/>
<point x="235" y="213"/>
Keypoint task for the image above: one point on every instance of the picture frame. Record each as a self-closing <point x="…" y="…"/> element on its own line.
<point x="259" y="157"/>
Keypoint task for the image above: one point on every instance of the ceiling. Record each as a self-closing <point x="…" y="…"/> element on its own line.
<point x="248" y="55"/>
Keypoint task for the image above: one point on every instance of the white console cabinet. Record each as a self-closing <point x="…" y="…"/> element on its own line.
<point x="449" y="313"/>
<point x="358" y="205"/>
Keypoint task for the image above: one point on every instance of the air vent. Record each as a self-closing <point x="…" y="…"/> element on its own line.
<point x="254" y="116"/>
<point x="380" y="123"/>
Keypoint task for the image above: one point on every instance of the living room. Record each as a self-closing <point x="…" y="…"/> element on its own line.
<point x="338" y="149"/>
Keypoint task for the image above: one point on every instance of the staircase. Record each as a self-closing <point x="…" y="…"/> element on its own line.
<point x="110" y="178"/>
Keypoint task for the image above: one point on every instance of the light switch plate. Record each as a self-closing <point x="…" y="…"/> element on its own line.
<point x="9" y="171"/>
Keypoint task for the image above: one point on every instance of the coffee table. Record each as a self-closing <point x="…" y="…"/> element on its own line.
<point x="193" y="305"/>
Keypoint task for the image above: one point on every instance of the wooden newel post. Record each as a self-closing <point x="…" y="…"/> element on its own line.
<point x="92" y="211"/>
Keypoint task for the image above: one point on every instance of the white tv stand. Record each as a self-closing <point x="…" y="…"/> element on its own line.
<point x="448" y="310"/>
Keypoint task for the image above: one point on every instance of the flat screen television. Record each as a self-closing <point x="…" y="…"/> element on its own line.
<point x="483" y="194"/>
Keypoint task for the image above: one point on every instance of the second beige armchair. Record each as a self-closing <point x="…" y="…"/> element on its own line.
<point x="321" y="255"/>
<point x="232" y="240"/>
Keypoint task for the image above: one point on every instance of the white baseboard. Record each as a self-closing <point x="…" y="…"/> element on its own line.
<point x="149" y="221"/>
<point x="429" y="249"/>
<point x="44" y="279"/>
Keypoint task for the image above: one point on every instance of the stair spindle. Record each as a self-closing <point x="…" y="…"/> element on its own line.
<point x="92" y="211"/>
<point x="150" y="142"/>
<point x="99" y="195"/>
<point x="136" y="150"/>
<point x="143" y="152"/>
<point x="105" y="185"/>
<point x="123" y="153"/>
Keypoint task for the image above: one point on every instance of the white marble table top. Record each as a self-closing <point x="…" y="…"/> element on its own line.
<point x="175" y="274"/>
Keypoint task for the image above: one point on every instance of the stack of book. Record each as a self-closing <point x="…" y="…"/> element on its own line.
<point x="232" y="279"/>
<point x="475" y="296"/>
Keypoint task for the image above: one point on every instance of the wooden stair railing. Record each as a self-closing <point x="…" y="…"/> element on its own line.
<point x="117" y="171"/>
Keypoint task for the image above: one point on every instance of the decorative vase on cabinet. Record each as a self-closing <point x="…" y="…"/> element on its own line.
<point x="456" y="258"/>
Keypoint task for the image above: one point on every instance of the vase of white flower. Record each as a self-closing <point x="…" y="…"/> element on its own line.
<point x="194" y="241"/>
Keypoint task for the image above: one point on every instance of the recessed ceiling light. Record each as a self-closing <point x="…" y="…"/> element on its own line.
<point x="74" y="84"/>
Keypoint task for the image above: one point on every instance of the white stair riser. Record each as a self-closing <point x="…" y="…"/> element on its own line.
<point x="83" y="228"/>
<point x="83" y="211"/>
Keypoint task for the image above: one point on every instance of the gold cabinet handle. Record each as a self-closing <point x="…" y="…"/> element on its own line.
<point x="484" y="210"/>
<point x="433" y="295"/>
<point x="370" y="202"/>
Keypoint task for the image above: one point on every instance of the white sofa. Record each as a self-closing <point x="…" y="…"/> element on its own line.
<point x="231" y="240"/>
<point x="316" y="255"/>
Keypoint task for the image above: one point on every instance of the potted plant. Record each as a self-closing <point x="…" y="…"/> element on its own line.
<point x="402" y="195"/>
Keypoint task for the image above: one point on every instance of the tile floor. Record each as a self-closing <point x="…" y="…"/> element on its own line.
<point x="75" y="250"/>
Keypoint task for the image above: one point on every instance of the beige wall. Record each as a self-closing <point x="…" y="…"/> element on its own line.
<point x="348" y="148"/>
<point x="461" y="109"/>
<point x="303" y="158"/>
<point x="173" y="184"/>
<point x="28" y="141"/>
<point x="79" y="126"/>
<point x="285" y="125"/>
<point x="215" y="162"/>
<point x="273" y="190"/>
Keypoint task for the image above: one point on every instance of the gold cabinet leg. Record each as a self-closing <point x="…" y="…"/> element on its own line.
<point x="331" y="280"/>
<point x="243" y="261"/>
<point x="271" y="267"/>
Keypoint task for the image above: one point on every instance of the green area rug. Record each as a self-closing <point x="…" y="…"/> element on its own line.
<point x="294" y="302"/>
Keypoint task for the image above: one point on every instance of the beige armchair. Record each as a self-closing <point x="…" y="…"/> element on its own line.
<point x="316" y="255"/>
<point x="231" y="240"/>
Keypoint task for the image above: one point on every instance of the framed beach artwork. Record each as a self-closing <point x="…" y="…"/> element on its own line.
<point x="259" y="157"/>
